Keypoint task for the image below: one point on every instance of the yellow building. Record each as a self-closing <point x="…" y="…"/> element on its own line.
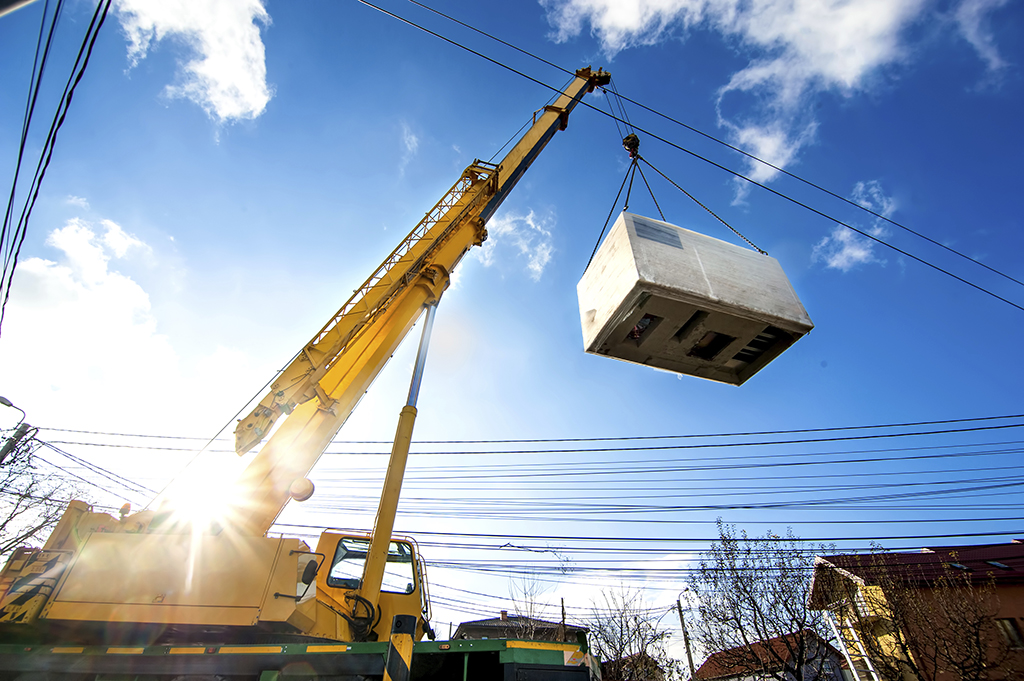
<point x="952" y="613"/>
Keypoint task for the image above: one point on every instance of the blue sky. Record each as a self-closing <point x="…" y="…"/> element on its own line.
<point x="230" y="171"/>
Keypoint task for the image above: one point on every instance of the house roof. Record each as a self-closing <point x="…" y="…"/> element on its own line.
<point x="987" y="561"/>
<point x="515" y="626"/>
<point x="737" y="661"/>
<point x="1002" y="563"/>
<point x="516" y="620"/>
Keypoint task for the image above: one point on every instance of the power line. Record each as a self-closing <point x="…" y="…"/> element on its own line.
<point x="102" y="472"/>
<point x="694" y="154"/>
<point x="17" y="237"/>
<point x="35" y="81"/>
<point x="625" y="119"/>
<point x="905" y="424"/>
<point x="871" y="426"/>
<point x="674" y="540"/>
<point x="613" y="439"/>
<point x="845" y="438"/>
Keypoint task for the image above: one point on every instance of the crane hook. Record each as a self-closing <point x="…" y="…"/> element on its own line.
<point x="631" y="143"/>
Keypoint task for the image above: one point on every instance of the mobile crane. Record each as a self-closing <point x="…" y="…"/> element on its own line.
<point x="151" y="596"/>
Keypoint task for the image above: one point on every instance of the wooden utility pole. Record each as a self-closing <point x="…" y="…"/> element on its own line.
<point x="686" y="638"/>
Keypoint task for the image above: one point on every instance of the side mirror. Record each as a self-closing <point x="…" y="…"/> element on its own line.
<point x="309" y="572"/>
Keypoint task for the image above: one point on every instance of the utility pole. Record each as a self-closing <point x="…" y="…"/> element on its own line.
<point x="686" y="638"/>
<point x="19" y="433"/>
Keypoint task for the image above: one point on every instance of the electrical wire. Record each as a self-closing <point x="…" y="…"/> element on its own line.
<point x="670" y="540"/>
<point x="872" y="426"/>
<point x="620" y="97"/>
<point x="715" y="164"/>
<point x="102" y="472"/>
<point x="21" y="229"/>
<point x="35" y="81"/>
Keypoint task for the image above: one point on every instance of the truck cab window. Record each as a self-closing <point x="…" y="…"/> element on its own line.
<point x="350" y="558"/>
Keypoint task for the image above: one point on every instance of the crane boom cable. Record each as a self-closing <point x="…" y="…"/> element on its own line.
<point x="694" y="154"/>
<point x="695" y="200"/>
<point x="732" y="147"/>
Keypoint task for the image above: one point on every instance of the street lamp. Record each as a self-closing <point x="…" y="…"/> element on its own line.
<point x="686" y="636"/>
<point x="19" y="432"/>
<point x="7" y="403"/>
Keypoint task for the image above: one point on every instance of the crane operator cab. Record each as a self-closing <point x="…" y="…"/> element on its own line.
<point x="402" y="590"/>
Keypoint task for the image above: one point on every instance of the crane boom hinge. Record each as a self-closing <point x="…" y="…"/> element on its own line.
<point x="563" y="115"/>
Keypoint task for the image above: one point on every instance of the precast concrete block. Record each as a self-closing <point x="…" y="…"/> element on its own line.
<point x="667" y="297"/>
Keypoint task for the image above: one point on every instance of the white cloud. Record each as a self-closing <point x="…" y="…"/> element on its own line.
<point x="970" y="18"/>
<point x="620" y="25"/>
<point x="92" y="325"/>
<point x="871" y="195"/>
<point x="410" y="144"/>
<point x="844" y="249"/>
<point x="529" y="235"/>
<point x="797" y="50"/>
<point x="120" y="242"/>
<point x="774" y="142"/>
<point x="77" y="201"/>
<point x="227" y="74"/>
<point x="82" y="347"/>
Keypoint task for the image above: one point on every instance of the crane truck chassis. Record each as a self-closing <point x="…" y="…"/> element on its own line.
<point x="153" y="596"/>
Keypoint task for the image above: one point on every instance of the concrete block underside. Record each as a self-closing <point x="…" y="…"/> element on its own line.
<point x="663" y="296"/>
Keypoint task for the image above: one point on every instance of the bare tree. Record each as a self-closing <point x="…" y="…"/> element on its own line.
<point x="630" y="639"/>
<point x="31" y="501"/>
<point x="753" y="590"/>
<point x="526" y="593"/>
<point x="929" y="621"/>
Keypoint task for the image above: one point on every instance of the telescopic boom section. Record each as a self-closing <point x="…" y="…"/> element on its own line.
<point x="322" y="385"/>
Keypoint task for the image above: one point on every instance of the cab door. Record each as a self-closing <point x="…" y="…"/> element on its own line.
<point x="339" y="584"/>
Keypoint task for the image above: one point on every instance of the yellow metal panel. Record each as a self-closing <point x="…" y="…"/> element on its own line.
<point x="186" y="651"/>
<point x="153" y="614"/>
<point x="250" y="649"/>
<point x="284" y="580"/>
<point x="541" y="645"/>
<point x="73" y="650"/>
<point x="126" y="651"/>
<point x="327" y="649"/>
<point x="169" y="570"/>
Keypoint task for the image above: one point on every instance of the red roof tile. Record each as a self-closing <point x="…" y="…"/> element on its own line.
<point x="722" y="664"/>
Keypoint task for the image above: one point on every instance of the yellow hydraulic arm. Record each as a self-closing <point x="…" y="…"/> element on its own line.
<point x="323" y="384"/>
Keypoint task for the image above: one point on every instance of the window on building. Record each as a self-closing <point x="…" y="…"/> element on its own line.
<point x="1011" y="630"/>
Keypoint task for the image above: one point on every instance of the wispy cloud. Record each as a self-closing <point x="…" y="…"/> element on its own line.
<point x="844" y="249"/>
<point x="227" y="73"/>
<point x="410" y="145"/>
<point x="796" y="51"/>
<point x="77" y="201"/>
<point x="528" y="235"/>
<point x="972" y="20"/>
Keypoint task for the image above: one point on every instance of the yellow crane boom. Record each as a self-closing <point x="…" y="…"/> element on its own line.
<point x="322" y="385"/>
<point x="146" y="577"/>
